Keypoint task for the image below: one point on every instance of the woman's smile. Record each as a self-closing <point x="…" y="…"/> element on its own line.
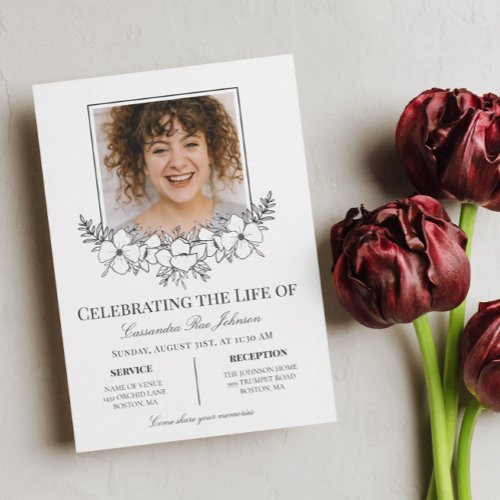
<point x="181" y="180"/>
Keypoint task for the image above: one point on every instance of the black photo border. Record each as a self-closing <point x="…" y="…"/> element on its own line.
<point x="165" y="98"/>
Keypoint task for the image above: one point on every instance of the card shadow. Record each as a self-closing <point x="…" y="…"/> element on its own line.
<point x="43" y="282"/>
<point x="378" y="159"/>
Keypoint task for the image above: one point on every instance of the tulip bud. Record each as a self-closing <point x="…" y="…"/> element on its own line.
<point x="399" y="262"/>
<point x="481" y="354"/>
<point x="449" y="143"/>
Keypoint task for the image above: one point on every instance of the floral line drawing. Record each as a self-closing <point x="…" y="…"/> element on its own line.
<point x="181" y="255"/>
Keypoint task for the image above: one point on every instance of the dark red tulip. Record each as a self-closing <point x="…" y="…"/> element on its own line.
<point x="481" y="354"/>
<point x="449" y="143"/>
<point x="398" y="262"/>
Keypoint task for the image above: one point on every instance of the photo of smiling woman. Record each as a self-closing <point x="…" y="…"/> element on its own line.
<point x="176" y="162"/>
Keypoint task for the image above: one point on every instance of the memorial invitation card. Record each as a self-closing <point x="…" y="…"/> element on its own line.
<point x="184" y="253"/>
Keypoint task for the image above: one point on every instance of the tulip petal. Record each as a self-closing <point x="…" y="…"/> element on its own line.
<point x="449" y="268"/>
<point x="449" y="143"/>
<point x="488" y="386"/>
<point x="396" y="275"/>
<point x="430" y="206"/>
<point x="481" y="342"/>
<point x="471" y="174"/>
<point x="412" y="133"/>
<point x="356" y="297"/>
<point x="389" y="264"/>
<point x="493" y="306"/>
<point x="339" y="231"/>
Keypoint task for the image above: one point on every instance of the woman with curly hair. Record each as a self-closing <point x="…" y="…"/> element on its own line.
<point x="181" y="145"/>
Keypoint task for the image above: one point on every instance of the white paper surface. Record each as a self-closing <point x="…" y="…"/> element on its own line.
<point x="245" y="350"/>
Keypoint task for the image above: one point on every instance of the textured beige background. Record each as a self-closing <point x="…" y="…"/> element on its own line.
<point x="358" y="63"/>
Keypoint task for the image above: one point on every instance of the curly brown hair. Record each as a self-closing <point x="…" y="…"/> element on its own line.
<point x="134" y="125"/>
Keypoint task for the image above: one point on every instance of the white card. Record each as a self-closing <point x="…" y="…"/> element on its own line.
<point x="184" y="253"/>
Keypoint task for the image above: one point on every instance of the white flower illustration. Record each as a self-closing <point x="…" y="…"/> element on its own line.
<point x="149" y="248"/>
<point x="241" y="237"/>
<point x="119" y="253"/>
<point x="181" y="255"/>
<point x="213" y="243"/>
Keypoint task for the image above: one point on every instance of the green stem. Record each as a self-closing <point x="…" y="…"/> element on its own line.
<point x="472" y="411"/>
<point x="467" y="222"/>
<point x="436" y="408"/>
<point x="451" y="374"/>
